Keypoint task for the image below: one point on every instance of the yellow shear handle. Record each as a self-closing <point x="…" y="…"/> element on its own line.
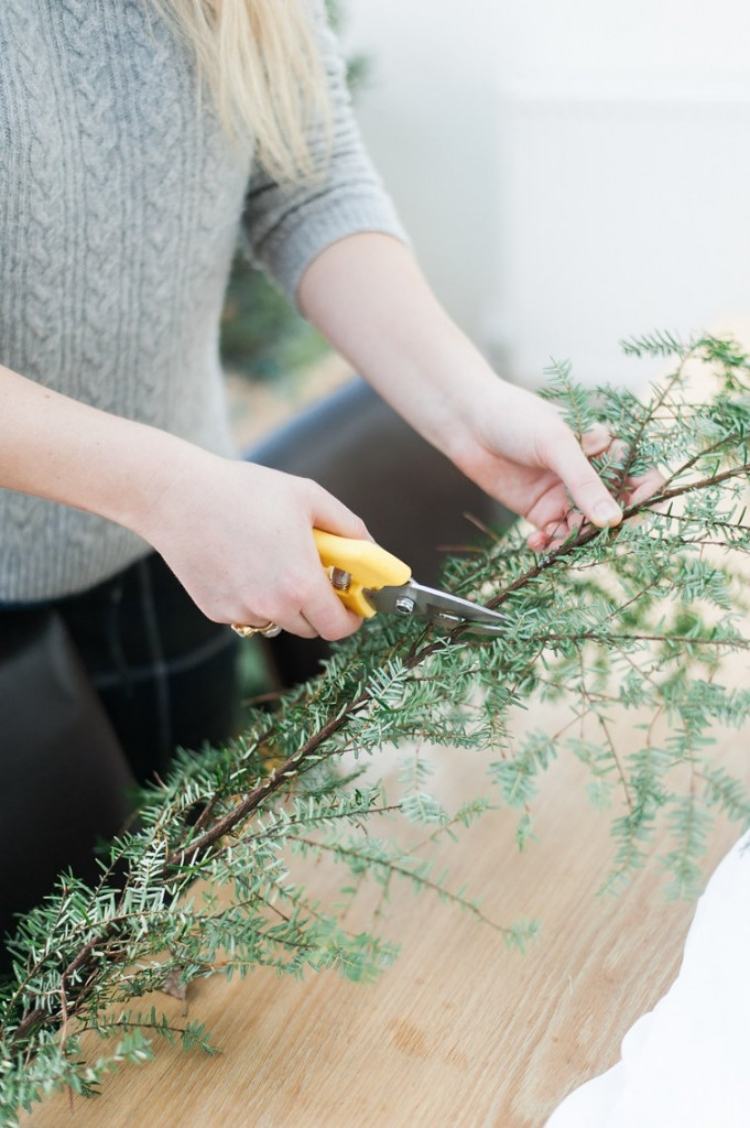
<point x="369" y="566"/>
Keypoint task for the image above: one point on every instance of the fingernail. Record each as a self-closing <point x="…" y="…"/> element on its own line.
<point x="607" y="513"/>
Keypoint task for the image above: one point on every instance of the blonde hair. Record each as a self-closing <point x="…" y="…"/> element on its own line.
<point x="264" y="67"/>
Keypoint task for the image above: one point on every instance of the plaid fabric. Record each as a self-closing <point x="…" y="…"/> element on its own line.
<point x="166" y="675"/>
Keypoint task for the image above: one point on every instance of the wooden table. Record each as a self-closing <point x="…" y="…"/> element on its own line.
<point x="460" y="1031"/>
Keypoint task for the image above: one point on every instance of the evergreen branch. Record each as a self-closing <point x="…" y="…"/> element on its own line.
<point x="573" y="637"/>
<point x="690" y="487"/>
<point x="689" y="640"/>
<point x="410" y="874"/>
<point x="648" y="415"/>
<point x="591" y="532"/>
<point x="267" y="787"/>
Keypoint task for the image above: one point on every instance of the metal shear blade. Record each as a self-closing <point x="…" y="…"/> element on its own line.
<point x="438" y="607"/>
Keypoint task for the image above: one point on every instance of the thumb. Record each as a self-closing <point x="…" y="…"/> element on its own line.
<point x="585" y="486"/>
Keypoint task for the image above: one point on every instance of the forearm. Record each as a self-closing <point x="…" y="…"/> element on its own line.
<point x="368" y="296"/>
<point x="57" y="448"/>
<point x="238" y="536"/>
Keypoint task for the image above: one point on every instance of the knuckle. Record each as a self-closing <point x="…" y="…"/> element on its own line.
<point x="302" y="590"/>
<point x="559" y="437"/>
<point x="596" y="434"/>
<point x="586" y="485"/>
<point x="216" y="616"/>
<point x="225" y="611"/>
<point x="293" y="589"/>
<point x="332" y="634"/>
<point x="313" y="488"/>
<point x="250" y="616"/>
<point x="329" y="625"/>
<point x="549" y="446"/>
<point x="273" y="610"/>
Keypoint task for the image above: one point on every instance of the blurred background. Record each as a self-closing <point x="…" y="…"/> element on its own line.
<point x="570" y="174"/>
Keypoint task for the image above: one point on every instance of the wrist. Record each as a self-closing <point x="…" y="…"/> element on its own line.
<point x="470" y="392"/>
<point x="159" y="472"/>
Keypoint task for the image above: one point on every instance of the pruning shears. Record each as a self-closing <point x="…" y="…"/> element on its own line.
<point x="368" y="580"/>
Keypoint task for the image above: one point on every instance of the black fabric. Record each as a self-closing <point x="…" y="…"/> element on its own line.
<point x="96" y="692"/>
<point x="64" y="778"/>
<point x="165" y="674"/>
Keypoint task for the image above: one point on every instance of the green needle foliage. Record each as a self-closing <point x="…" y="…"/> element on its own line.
<point x="637" y="617"/>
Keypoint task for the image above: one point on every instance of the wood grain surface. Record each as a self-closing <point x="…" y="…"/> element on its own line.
<point x="460" y="1031"/>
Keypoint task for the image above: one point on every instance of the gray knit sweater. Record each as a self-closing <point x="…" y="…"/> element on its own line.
<point x="121" y="204"/>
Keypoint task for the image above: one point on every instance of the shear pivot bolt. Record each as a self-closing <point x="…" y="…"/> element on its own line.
<point x="405" y="605"/>
<point x="340" y="579"/>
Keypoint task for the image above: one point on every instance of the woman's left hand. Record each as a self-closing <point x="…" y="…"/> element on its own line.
<point x="367" y="294"/>
<point x="518" y="449"/>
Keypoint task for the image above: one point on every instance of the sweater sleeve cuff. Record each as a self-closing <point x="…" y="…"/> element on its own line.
<point x="287" y="250"/>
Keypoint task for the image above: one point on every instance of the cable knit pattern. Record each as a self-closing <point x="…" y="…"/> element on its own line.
<point x="121" y="204"/>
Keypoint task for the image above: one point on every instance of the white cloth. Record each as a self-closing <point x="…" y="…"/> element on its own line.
<point x="686" y="1064"/>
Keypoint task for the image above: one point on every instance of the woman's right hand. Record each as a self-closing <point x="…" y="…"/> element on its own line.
<point x="239" y="538"/>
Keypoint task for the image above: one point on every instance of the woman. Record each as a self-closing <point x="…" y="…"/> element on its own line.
<point x="138" y="138"/>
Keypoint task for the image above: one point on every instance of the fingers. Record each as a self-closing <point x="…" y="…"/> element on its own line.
<point x="308" y="597"/>
<point x="318" y="603"/>
<point x="295" y="623"/>
<point x="537" y="540"/>
<point x="327" y="614"/>
<point x="309" y="608"/>
<point x="552" y="514"/>
<point x="289" y="620"/>
<point x="256" y="561"/>
<point x="549" y="536"/>
<point x="596" y="440"/>
<point x="322" y="608"/>
<point x="305" y="602"/>
<point x="555" y="533"/>
<point x="566" y="457"/>
<point x="645" y="486"/>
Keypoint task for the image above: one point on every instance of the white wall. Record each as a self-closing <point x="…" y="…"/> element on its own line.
<point x="570" y="172"/>
<point x="661" y="39"/>
<point x="429" y="121"/>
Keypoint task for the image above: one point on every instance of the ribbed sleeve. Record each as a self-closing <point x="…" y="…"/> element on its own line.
<point x="286" y="226"/>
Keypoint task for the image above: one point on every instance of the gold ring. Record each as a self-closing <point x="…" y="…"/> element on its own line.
<point x="270" y="630"/>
